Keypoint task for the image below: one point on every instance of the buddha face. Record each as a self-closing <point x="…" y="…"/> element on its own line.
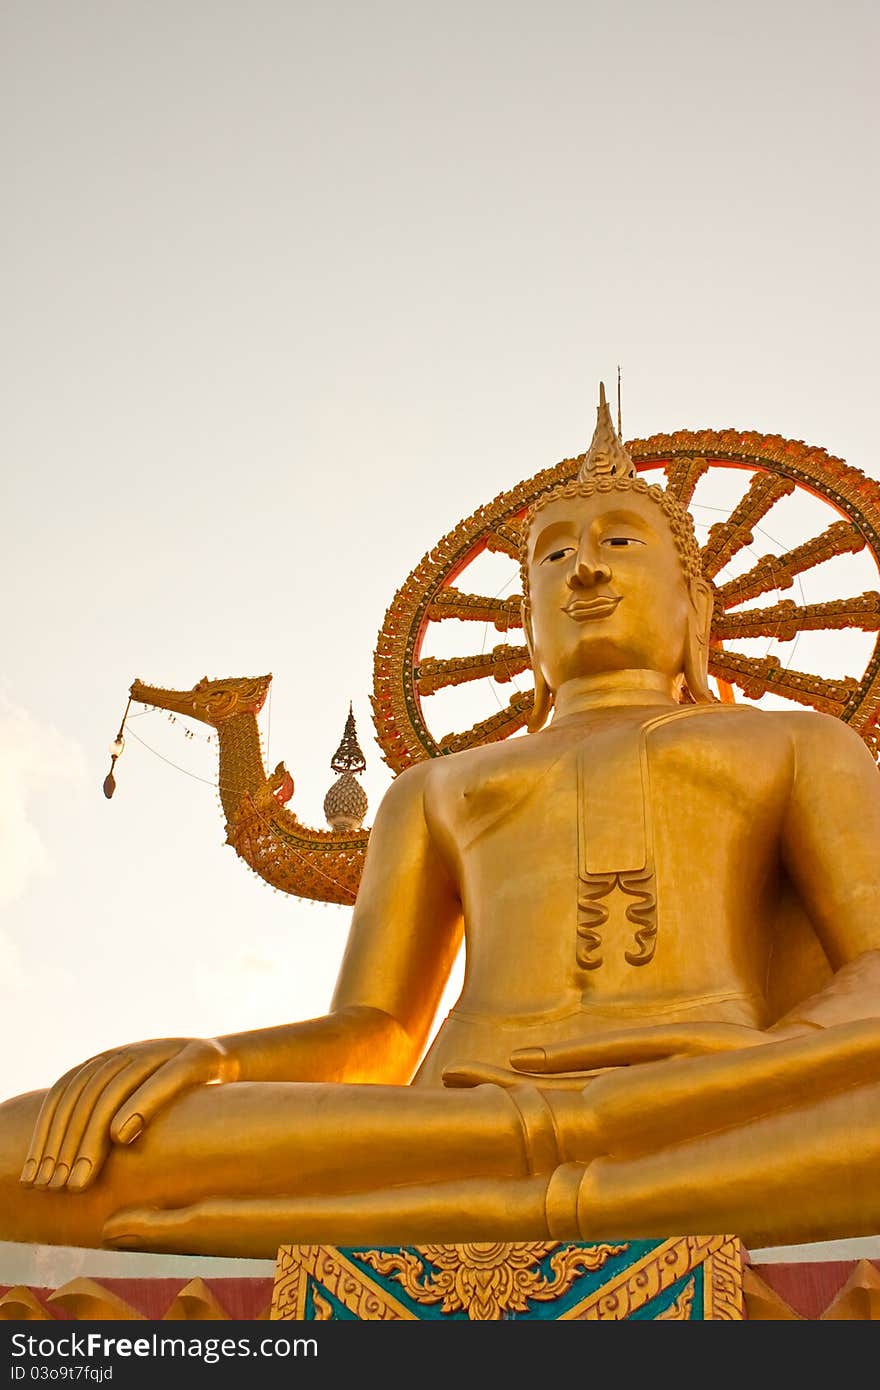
<point x="607" y="589"/>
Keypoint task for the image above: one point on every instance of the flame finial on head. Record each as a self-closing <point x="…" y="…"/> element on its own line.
<point x="606" y="456"/>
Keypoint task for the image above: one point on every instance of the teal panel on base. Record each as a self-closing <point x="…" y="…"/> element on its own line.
<point x="684" y="1278"/>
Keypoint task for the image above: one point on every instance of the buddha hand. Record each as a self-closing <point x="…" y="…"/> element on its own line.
<point x="111" y="1098"/>
<point x="629" y="1046"/>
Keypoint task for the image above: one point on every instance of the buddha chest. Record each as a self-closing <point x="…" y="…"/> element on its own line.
<point x="603" y="846"/>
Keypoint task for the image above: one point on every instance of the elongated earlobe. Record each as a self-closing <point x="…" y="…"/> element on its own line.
<point x="696" y="651"/>
<point x="542" y="706"/>
<point x="543" y="694"/>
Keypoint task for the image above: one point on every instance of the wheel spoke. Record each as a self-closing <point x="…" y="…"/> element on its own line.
<point x="499" y="726"/>
<point x="682" y="476"/>
<point x="787" y="618"/>
<point x="452" y="603"/>
<point x="502" y="664"/>
<point x="727" y="538"/>
<point x="778" y="571"/>
<point x="757" y="676"/>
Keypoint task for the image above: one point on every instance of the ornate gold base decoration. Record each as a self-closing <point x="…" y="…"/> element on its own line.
<point x="685" y="1278"/>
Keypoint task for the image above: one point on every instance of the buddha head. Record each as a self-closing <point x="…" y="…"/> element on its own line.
<point x="612" y="580"/>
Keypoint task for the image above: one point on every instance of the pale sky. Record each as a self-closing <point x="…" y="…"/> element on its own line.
<point x="287" y="290"/>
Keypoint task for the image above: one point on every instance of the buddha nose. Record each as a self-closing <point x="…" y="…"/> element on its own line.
<point x="588" y="569"/>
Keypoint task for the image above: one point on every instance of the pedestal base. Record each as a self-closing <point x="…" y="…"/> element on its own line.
<point x="832" y="1280"/>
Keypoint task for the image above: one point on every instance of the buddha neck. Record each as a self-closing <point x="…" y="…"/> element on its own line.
<point x="612" y="689"/>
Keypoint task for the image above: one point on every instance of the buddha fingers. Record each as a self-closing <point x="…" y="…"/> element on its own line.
<point x="81" y="1135"/>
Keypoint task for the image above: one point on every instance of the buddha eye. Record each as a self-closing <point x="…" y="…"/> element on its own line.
<point x="621" y="541"/>
<point x="558" y="554"/>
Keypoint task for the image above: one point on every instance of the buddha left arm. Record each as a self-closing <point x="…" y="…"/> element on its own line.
<point x="831" y="850"/>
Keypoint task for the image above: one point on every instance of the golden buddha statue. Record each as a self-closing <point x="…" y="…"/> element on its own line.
<point x="670" y="1017"/>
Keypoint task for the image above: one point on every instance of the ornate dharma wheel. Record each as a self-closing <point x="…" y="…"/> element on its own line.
<point x="760" y="610"/>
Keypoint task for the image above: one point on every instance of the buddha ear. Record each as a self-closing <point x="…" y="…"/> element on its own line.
<point x="696" y="650"/>
<point x="543" y="694"/>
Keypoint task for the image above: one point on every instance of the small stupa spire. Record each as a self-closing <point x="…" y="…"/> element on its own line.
<point x="606" y="456"/>
<point x="345" y="804"/>
<point x="348" y="756"/>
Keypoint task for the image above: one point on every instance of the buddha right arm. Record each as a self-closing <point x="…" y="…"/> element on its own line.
<point x="405" y="933"/>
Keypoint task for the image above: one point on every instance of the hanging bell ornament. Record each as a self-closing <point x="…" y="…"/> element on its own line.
<point x="116" y="748"/>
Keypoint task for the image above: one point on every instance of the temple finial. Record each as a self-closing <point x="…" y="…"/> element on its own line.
<point x="348" y="756"/>
<point x="345" y="804"/>
<point x="606" y="456"/>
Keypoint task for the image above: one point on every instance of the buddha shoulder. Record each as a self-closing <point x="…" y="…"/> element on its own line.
<point x="815" y="746"/>
<point x="801" y="731"/>
<point x="824" y="744"/>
